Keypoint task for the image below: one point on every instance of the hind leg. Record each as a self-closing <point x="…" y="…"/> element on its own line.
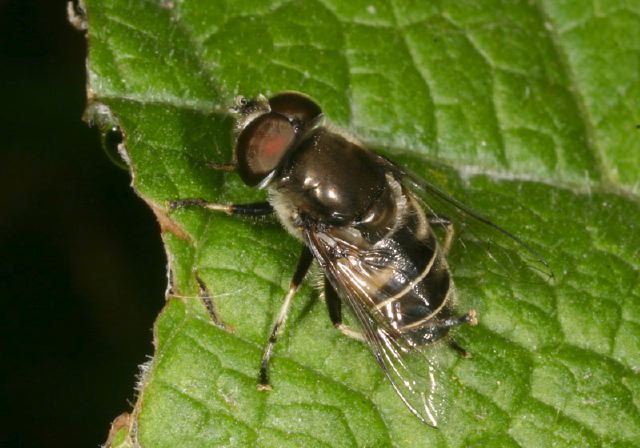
<point x="448" y="226"/>
<point x="334" y="306"/>
<point x="470" y="318"/>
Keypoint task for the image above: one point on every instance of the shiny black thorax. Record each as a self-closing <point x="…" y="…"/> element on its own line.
<point x="337" y="182"/>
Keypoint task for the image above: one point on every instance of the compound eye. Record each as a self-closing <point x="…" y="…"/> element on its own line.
<point x="296" y="107"/>
<point x="261" y="146"/>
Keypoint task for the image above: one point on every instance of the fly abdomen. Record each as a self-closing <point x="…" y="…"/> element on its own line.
<point x="418" y="295"/>
<point x="413" y="304"/>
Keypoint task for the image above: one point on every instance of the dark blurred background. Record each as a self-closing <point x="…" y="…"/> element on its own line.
<point x="81" y="262"/>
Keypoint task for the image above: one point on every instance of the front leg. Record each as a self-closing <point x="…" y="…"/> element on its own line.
<point x="252" y="209"/>
<point x="226" y="167"/>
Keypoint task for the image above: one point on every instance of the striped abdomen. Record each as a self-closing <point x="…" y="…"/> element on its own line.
<point x="413" y="287"/>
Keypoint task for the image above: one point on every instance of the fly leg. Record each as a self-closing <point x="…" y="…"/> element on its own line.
<point x="334" y="306"/>
<point x="460" y="349"/>
<point x="304" y="262"/>
<point x="227" y="167"/>
<point x="448" y="226"/>
<point x="208" y="302"/>
<point x="470" y="318"/>
<point x="253" y="209"/>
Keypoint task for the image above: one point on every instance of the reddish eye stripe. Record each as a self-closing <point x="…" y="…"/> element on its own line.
<point x="272" y="143"/>
<point x="262" y="145"/>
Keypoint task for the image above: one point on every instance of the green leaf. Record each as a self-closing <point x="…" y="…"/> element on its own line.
<point x="526" y="110"/>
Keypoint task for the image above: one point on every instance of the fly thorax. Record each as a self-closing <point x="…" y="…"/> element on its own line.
<point x="334" y="180"/>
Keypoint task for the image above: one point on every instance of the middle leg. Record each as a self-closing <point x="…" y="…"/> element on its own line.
<point x="304" y="262"/>
<point x="334" y="306"/>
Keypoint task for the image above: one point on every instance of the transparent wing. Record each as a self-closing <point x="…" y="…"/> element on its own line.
<point x="412" y="373"/>
<point x="477" y="237"/>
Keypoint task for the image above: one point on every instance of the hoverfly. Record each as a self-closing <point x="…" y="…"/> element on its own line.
<point x="370" y="226"/>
